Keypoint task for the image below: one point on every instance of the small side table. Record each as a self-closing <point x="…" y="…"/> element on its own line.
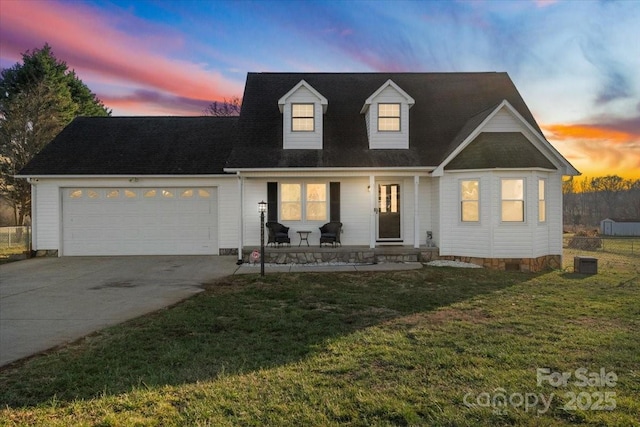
<point x="304" y="236"/>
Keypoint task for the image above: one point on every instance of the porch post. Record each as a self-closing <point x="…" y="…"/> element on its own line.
<point x="373" y="192"/>
<point x="416" y="212"/>
<point x="240" y="218"/>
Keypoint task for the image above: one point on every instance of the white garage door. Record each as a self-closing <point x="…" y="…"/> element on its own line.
<point x="139" y="221"/>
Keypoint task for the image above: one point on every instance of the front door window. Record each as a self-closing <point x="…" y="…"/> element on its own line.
<point x="389" y="211"/>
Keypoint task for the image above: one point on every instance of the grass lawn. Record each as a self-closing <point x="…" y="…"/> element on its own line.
<point x="435" y="346"/>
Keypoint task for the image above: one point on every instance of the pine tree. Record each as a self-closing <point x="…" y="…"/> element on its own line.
<point x="38" y="98"/>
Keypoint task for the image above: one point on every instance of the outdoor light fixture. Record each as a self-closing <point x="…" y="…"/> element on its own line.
<point x="262" y="208"/>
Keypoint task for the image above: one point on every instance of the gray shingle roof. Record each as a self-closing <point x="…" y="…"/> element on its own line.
<point x="499" y="150"/>
<point x="444" y="105"/>
<point x="137" y="146"/>
<point x="447" y="107"/>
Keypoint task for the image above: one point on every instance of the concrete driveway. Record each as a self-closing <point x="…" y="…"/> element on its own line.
<point x="46" y="302"/>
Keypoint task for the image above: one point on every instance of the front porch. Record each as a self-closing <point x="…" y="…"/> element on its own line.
<point x="342" y="254"/>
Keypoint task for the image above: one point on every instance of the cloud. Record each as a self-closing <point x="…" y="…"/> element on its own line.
<point x="154" y="102"/>
<point x="611" y="147"/>
<point x="91" y="44"/>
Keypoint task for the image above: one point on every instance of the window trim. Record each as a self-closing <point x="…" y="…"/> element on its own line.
<point x="398" y="117"/>
<point x="312" y="117"/>
<point x="522" y="201"/>
<point x="462" y="202"/>
<point x="304" y="201"/>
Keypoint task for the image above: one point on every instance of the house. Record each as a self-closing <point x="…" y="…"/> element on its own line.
<point x="620" y="227"/>
<point x="454" y="160"/>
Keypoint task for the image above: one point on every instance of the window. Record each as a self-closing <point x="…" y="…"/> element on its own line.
<point x="186" y="193"/>
<point x="92" y="194"/>
<point x="389" y="117"/>
<point x="75" y="194"/>
<point x="513" y="200"/>
<point x="316" y="202"/>
<point x="168" y="194"/>
<point x="130" y="194"/>
<point x="470" y="200"/>
<point x="150" y="193"/>
<point x="113" y="194"/>
<point x="314" y="207"/>
<point x="203" y="194"/>
<point x="290" y="202"/>
<point x="542" y="203"/>
<point x="302" y="119"/>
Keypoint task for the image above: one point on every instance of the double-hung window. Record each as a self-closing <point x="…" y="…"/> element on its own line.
<point x="542" y="201"/>
<point x="512" y="200"/>
<point x="470" y="200"/>
<point x="303" y="200"/>
<point x="302" y="118"/>
<point x="389" y="117"/>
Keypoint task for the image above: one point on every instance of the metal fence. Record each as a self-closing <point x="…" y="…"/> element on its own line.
<point x="612" y="253"/>
<point x="15" y="238"/>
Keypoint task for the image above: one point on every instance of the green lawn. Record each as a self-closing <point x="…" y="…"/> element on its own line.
<point x="435" y="346"/>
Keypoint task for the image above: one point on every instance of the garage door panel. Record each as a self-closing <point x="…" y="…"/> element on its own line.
<point x="166" y="221"/>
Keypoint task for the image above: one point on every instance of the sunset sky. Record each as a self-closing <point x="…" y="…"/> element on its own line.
<point x="576" y="63"/>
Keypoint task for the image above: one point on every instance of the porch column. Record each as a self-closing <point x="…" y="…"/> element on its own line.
<point x="416" y="212"/>
<point x="373" y="191"/>
<point x="240" y="217"/>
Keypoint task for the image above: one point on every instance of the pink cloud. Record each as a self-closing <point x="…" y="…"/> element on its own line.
<point x="89" y="43"/>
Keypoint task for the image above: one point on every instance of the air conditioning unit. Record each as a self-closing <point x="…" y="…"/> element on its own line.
<point x="585" y="265"/>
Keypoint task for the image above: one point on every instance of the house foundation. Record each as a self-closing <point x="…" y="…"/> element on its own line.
<point x="391" y="254"/>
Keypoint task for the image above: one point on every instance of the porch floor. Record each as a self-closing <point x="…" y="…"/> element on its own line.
<point x="342" y="254"/>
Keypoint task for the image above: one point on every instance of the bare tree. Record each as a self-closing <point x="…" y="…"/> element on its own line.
<point x="224" y="108"/>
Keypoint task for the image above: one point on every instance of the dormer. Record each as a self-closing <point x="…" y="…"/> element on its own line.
<point x="302" y="110"/>
<point x="386" y="114"/>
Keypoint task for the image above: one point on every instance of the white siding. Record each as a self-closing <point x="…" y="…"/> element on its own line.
<point x="425" y="204"/>
<point x="302" y="140"/>
<point x="381" y="140"/>
<point x="354" y="211"/>
<point x="48" y="209"/>
<point x="436" y="209"/>
<point x="492" y="238"/>
<point x="503" y="121"/>
<point x="47" y="220"/>
<point x="228" y="211"/>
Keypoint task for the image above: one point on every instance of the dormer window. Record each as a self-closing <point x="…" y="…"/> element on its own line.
<point x="386" y="115"/>
<point x="389" y="117"/>
<point x="302" y="118"/>
<point x="302" y="109"/>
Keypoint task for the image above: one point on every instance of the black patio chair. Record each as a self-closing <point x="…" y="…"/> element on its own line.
<point x="330" y="233"/>
<point x="278" y="234"/>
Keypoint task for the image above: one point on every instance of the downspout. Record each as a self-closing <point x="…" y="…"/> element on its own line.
<point x="32" y="233"/>
<point x="240" y="218"/>
<point x="416" y="212"/>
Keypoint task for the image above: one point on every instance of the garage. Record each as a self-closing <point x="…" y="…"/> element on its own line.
<point x="139" y="221"/>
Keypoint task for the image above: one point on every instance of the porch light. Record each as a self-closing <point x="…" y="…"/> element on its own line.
<point x="262" y="208"/>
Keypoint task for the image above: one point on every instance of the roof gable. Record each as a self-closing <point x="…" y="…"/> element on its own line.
<point x="389" y="83"/>
<point x="476" y="124"/>
<point x="323" y="101"/>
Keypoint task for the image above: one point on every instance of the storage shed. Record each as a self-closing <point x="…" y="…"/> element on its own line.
<point x="620" y="227"/>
